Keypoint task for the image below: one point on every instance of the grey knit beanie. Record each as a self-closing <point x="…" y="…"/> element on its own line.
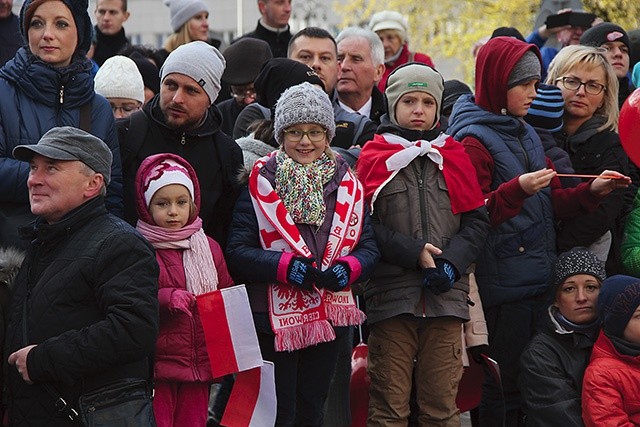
<point x="526" y="69"/>
<point x="303" y="103"/>
<point x="200" y="61"/>
<point x="577" y="261"/>
<point x="413" y="77"/>
<point x="119" y="78"/>
<point x="181" y="11"/>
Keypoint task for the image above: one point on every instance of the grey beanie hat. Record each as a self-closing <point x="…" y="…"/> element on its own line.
<point x="577" y="261"/>
<point x="181" y="11"/>
<point x="413" y="77"/>
<point x="303" y="103"/>
<point x="119" y="77"/>
<point x="200" y="61"/>
<point x="527" y="68"/>
<point x="69" y="143"/>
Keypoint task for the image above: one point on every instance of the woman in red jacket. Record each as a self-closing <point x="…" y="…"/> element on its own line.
<point x="391" y="27"/>
<point x="611" y="384"/>
<point x="191" y="263"/>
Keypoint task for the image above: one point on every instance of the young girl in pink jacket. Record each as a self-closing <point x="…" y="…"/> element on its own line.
<point x="191" y="263"/>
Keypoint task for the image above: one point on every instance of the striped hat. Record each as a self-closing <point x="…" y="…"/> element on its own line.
<point x="546" y="109"/>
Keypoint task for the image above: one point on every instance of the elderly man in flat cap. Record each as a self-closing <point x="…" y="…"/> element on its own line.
<point x="84" y="312"/>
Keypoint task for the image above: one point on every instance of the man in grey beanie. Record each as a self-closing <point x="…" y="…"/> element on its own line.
<point x="182" y="120"/>
<point x="86" y="299"/>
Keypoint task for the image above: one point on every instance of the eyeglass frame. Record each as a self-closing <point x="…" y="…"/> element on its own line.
<point x="581" y="83"/>
<point x="245" y="94"/>
<point x="307" y="133"/>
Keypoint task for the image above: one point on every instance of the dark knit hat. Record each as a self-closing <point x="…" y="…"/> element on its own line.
<point x="81" y="18"/>
<point x="618" y="299"/>
<point x="149" y="71"/>
<point x="413" y="77"/>
<point x="577" y="261"/>
<point x="604" y="33"/>
<point x="453" y="89"/>
<point x="527" y="68"/>
<point x="546" y="109"/>
<point x="507" y="32"/>
<point x="278" y="74"/>
<point x="244" y="60"/>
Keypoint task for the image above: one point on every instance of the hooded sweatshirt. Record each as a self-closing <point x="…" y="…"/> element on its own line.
<point x="520" y="249"/>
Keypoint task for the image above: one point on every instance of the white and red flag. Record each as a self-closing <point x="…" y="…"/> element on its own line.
<point x="232" y="342"/>
<point x="253" y="399"/>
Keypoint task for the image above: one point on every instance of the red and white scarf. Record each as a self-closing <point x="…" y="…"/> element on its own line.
<point x="382" y="158"/>
<point x="301" y="318"/>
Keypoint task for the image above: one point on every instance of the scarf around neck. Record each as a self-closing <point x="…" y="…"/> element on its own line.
<point x="301" y="187"/>
<point x="382" y="158"/>
<point x="300" y="318"/>
<point x="199" y="269"/>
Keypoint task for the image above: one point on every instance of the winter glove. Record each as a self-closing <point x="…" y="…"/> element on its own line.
<point x="441" y="278"/>
<point x="182" y="301"/>
<point x="301" y="273"/>
<point x="477" y="352"/>
<point x="335" y="278"/>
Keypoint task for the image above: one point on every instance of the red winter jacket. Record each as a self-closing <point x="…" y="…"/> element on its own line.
<point x="611" y="387"/>
<point x="405" y="57"/>
<point x="181" y="352"/>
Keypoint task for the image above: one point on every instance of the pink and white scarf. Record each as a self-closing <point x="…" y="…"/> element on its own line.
<point x="301" y="318"/>
<point x="199" y="268"/>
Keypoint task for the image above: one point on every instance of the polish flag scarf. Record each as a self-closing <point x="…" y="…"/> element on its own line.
<point x="382" y="158"/>
<point x="301" y="318"/>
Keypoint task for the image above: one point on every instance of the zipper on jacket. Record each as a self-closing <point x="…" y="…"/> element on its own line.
<point x="424" y="217"/>
<point x="61" y="94"/>
<point x="194" y="355"/>
<point x="183" y="139"/>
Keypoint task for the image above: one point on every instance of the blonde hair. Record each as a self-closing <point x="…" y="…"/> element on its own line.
<point x="591" y="58"/>
<point x="180" y="37"/>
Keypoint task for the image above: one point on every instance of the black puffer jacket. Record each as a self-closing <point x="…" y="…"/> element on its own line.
<point x="88" y="288"/>
<point x="216" y="158"/>
<point x="551" y="374"/>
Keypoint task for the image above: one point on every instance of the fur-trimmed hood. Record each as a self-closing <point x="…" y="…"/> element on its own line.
<point x="10" y="261"/>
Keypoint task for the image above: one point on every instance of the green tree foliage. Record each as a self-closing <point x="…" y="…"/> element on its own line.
<point x="449" y="29"/>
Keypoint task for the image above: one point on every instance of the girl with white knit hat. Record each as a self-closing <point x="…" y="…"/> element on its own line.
<point x="191" y="264"/>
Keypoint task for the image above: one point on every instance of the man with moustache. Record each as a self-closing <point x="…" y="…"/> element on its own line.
<point x="10" y="38"/>
<point x="182" y="119"/>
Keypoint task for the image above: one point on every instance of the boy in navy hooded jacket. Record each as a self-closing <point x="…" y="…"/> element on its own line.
<point x="523" y="196"/>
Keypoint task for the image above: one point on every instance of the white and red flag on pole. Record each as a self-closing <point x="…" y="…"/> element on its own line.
<point x="232" y="342"/>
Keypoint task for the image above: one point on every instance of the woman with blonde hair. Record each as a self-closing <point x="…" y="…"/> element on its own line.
<point x="590" y="90"/>
<point x="189" y="22"/>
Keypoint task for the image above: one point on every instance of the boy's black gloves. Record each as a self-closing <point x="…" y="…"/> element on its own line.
<point x="441" y="278"/>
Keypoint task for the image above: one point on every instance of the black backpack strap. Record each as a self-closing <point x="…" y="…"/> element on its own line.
<point x="85" y="117"/>
<point x="136" y="133"/>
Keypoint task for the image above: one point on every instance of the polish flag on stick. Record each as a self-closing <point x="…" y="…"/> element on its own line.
<point x="229" y="331"/>
<point x="253" y="399"/>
